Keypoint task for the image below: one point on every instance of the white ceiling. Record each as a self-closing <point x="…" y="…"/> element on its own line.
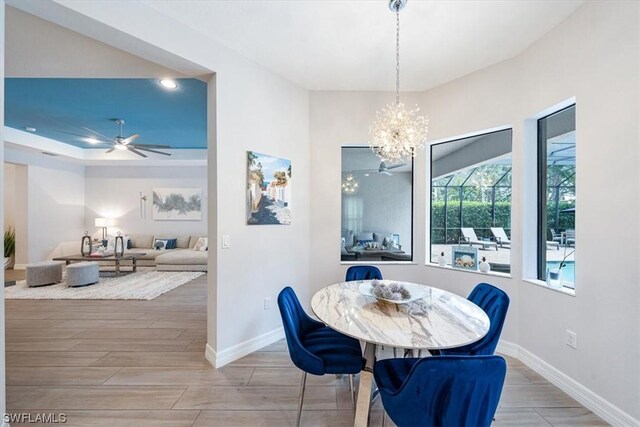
<point x="350" y="45"/>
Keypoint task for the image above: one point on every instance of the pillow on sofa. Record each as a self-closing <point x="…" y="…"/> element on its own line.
<point x="141" y="241"/>
<point x="364" y="237"/>
<point x="159" y="244"/>
<point x="380" y="237"/>
<point x="202" y="244"/>
<point x="182" y="242"/>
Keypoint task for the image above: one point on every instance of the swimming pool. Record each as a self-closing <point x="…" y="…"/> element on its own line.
<point x="568" y="271"/>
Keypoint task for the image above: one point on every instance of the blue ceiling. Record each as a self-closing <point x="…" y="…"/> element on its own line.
<point x="177" y="118"/>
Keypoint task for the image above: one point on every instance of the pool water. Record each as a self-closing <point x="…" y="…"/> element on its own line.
<point x="568" y="271"/>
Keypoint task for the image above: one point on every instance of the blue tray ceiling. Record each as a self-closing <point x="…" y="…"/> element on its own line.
<point x="177" y="118"/>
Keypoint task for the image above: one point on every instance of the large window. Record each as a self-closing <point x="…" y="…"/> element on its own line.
<point x="377" y="208"/>
<point x="471" y="197"/>
<point x="557" y="196"/>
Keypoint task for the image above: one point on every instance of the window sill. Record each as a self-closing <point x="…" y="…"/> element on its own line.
<point x="448" y="267"/>
<point x="543" y="284"/>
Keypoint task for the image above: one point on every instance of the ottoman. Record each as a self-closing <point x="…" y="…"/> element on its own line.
<point x="43" y="273"/>
<point x="83" y="274"/>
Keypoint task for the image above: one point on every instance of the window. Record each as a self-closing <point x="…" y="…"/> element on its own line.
<point x="377" y="208"/>
<point x="557" y="196"/>
<point x="471" y="197"/>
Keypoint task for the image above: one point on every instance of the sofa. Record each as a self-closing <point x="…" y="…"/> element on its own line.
<point x="183" y="258"/>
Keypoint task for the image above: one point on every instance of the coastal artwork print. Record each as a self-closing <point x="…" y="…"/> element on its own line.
<point x="268" y="189"/>
<point x="177" y="204"/>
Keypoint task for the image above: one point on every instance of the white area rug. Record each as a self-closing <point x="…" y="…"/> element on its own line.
<point x="145" y="285"/>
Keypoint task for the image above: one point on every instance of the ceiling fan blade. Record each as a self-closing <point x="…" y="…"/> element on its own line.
<point x="133" y="150"/>
<point x="364" y="170"/>
<point x="102" y="141"/>
<point x="152" y="151"/>
<point x="396" y="166"/>
<point x="132" y="138"/>
<point x="151" y="146"/>
<point x="98" y="133"/>
<point x="386" y="173"/>
<point x="111" y="149"/>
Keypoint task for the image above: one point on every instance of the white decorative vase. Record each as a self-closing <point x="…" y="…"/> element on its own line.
<point x="442" y="261"/>
<point x="484" y="266"/>
<point x="554" y="278"/>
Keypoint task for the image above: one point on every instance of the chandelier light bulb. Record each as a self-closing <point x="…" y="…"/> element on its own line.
<point x="349" y="185"/>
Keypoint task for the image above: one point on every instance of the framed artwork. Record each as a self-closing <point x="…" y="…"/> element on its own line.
<point x="464" y="257"/>
<point x="268" y="189"/>
<point x="177" y="204"/>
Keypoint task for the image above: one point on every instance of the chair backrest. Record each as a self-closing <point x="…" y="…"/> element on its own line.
<point x="494" y="302"/>
<point x="296" y="323"/>
<point x="363" y="272"/>
<point x="499" y="233"/>
<point x="448" y="391"/>
<point x="553" y="233"/>
<point x="570" y="233"/>
<point x="469" y="233"/>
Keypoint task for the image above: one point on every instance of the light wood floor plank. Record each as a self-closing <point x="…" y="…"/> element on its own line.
<point x="53" y="358"/>
<point x="232" y="376"/>
<point x="58" y="376"/>
<point x="157" y="358"/>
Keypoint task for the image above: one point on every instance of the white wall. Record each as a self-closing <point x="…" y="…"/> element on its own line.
<point x="114" y="192"/>
<point x="53" y="201"/>
<point x="592" y="56"/>
<point x="2" y="345"/>
<point x="9" y="186"/>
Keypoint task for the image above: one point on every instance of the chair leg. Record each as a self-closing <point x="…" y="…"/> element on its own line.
<point x="353" y="392"/>
<point x="302" y="386"/>
<point x="395" y="353"/>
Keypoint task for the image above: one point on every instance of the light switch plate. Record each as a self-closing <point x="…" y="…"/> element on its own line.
<point x="226" y="241"/>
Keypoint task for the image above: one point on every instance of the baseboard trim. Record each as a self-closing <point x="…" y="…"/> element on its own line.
<point x="223" y="357"/>
<point x="590" y="400"/>
<point x="19" y="267"/>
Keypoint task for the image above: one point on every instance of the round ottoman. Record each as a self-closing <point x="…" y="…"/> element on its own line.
<point x="43" y="273"/>
<point x="83" y="274"/>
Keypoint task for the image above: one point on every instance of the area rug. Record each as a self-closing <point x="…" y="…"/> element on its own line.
<point x="143" y="285"/>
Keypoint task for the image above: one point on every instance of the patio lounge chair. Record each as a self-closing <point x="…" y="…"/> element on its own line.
<point x="501" y="236"/>
<point x="469" y="237"/>
<point x="570" y="237"/>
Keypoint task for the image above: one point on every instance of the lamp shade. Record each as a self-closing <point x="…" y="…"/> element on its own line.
<point x="102" y="222"/>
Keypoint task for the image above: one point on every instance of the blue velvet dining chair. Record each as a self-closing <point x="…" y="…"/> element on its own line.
<point x="315" y="348"/>
<point x="441" y="391"/>
<point x="494" y="302"/>
<point x="363" y="272"/>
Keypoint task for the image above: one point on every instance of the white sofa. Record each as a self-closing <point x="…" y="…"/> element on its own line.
<point x="182" y="258"/>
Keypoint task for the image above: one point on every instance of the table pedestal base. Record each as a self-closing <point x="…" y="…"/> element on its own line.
<point x="366" y="384"/>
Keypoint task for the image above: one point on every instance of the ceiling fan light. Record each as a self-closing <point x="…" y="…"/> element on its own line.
<point x="169" y="83"/>
<point x="92" y="140"/>
<point x="120" y="147"/>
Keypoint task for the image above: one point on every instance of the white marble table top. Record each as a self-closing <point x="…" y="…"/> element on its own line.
<point x="438" y="321"/>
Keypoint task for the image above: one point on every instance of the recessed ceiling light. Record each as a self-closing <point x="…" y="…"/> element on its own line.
<point x="366" y="174"/>
<point x="120" y="147"/>
<point x="92" y="140"/>
<point x="29" y="129"/>
<point x="169" y="83"/>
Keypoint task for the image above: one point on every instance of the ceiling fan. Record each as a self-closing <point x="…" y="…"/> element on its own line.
<point x="120" y="142"/>
<point x="383" y="169"/>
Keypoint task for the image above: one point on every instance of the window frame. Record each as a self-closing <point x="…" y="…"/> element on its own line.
<point x="541" y="195"/>
<point x="413" y="195"/>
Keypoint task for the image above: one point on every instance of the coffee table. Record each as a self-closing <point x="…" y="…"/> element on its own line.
<point x="115" y="259"/>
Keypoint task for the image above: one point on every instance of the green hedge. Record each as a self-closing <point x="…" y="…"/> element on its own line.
<point x="478" y="216"/>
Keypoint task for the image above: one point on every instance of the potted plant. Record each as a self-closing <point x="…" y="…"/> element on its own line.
<point x="9" y="246"/>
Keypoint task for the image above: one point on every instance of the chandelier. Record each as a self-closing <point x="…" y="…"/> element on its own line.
<point x="349" y="185"/>
<point x="397" y="132"/>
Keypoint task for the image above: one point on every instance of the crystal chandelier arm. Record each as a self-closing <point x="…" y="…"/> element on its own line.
<point x="397" y="55"/>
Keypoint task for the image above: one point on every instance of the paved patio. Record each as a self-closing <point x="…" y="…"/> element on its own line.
<point x="501" y="256"/>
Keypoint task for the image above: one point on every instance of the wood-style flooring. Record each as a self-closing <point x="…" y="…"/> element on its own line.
<point x="141" y="363"/>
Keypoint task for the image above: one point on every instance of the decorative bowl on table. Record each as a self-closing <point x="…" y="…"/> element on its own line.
<point x="392" y="291"/>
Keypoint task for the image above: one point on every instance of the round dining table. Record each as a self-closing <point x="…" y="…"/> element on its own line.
<point x="438" y="320"/>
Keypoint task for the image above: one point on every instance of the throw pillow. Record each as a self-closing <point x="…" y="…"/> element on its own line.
<point x="171" y="243"/>
<point x="202" y="244"/>
<point x="159" y="244"/>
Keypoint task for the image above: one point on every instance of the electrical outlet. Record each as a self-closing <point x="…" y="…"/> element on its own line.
<point x="226" y="241"/>
<point x="572" y="339"/>
<point x="267" y="303"/>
